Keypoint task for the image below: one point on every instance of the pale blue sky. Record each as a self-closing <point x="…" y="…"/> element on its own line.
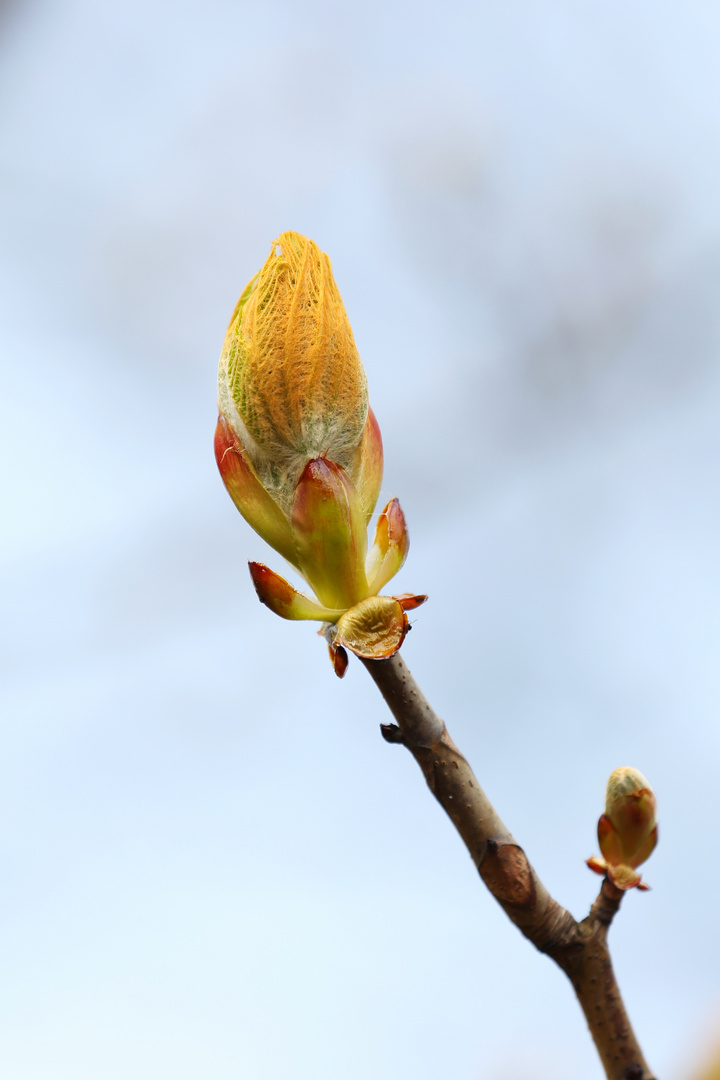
<point x="213" y="865"/>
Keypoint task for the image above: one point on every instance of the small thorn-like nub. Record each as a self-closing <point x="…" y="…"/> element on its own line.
<point x="391" y="733"/>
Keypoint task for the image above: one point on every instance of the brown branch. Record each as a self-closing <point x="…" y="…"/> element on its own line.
<point x="580" y="949"/>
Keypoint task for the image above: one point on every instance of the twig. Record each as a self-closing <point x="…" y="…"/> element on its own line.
<point x="579" y="948"/>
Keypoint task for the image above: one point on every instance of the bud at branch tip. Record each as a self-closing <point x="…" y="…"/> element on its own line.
<point x="627" y="831"/>
<point x="300" y="453"/>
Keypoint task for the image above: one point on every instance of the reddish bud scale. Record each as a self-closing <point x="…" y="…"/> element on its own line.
<point x="258" y="508"/>
<point x="279" y="595"/>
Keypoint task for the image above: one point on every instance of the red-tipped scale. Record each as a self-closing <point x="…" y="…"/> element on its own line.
<point x="258" y="508"/>
<point x="410" y="601"/>
<point x="366" y="470"/>
<point x="338" y="659"/>
<point x="279" y="595"/>
<point x="390" y="548"/>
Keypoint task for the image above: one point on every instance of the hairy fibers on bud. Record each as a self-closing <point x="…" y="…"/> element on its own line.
<point x="290" y="365"/>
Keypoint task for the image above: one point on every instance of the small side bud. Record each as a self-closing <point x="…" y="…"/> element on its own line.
<point x="627" y="831"/>
<point x="631" y="808"/>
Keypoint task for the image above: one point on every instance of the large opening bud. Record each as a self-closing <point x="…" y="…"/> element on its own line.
<point x="291" y="383"/>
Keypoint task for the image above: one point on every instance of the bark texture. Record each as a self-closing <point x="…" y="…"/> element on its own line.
<point x="579" y="948"/>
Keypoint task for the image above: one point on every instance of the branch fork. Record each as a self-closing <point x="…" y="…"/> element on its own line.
<point x="578" y="948"/>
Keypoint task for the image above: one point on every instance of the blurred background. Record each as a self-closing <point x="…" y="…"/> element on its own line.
<point x="212" y="864"/>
